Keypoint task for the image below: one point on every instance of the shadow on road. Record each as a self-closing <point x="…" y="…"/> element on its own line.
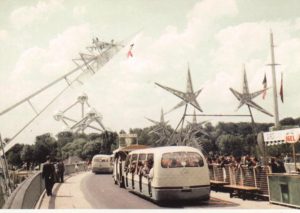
<point x="213" y="202"/>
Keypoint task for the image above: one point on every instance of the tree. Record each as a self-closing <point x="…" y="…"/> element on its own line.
<point x="45" y="145"/>
<point x="231" y="145"/>
<point x="206" y="145"/>
<point x="14" y="155"/>
<point x="287" y="122"/>
<point x="91" y="148"/>
<point x="27" y="154"/>
<point x="108" y="140"/>
<point x="77" y="146"/>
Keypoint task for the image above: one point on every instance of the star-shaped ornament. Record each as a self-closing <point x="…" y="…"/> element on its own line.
<point x="246" y="97"/>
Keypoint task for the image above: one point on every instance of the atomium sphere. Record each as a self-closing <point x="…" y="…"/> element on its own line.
<point x="92" y="113"/>
<point x="58" y="116"/>
<point x="83" y="98"/>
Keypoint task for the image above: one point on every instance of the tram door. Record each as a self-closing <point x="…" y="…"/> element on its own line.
<point x="127" y="170"/>
<point x="132" y="170"/>
<point x="140" y="170"/>
<point x="146" y="182"/>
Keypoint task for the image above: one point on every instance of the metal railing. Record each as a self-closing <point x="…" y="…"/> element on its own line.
<point x="241" y="176"/>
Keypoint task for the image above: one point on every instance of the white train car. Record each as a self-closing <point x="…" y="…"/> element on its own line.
<point x="168" y="173"/>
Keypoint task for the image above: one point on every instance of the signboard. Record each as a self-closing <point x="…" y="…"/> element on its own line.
<point x="128" y="135"/>
<point x="291" y="137"/>
<point x="282" y="136"/>
<point x="127" y="139"/>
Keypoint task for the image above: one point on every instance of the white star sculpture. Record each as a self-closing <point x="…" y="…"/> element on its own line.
<point x="188" y="97"/>
<point x="246" y="97"/>
<point x="160" y="128"/>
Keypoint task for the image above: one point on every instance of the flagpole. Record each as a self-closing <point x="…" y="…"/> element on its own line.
<point x="276" y="116"/>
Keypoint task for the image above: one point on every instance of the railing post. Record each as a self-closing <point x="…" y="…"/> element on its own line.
<point x="254" y="175"/>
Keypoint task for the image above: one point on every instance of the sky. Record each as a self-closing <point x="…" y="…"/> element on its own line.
<point x="216" y="38"/>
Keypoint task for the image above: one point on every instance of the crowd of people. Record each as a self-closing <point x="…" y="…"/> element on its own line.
<point x="276" y="163"/>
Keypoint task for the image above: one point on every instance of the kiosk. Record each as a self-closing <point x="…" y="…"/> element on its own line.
<point x="284" y="188"/>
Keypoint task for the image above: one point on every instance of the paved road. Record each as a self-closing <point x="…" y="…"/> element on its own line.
<point x="101" y="192"/>
<point x="86" y="190"/>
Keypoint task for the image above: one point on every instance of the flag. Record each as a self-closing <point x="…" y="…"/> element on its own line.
<point x="129" y="54"/>
<point x="281" y="90"/>
<point x="265" y="86"/>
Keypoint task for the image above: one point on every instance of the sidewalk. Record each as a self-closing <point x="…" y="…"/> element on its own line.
<point x="66" y="195"/>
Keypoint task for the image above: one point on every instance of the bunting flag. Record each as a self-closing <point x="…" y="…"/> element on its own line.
<point x="281" y="90"/>
<point x="265" y="87"/>
<point x="129" y="54"/>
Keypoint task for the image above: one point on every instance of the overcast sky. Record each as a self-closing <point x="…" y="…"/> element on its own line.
<point x="39" y="39"/>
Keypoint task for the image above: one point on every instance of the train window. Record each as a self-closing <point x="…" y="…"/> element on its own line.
<point x="133" y="163"/>
<point x="140" y="165"/>
<point x="194" y="160"/>
<point x="149" y="156"/>
<point x="134" y="157"/>
<point x="127" y="161"/>
<point x="142" y="157"/>
<point x="181" y="159"/>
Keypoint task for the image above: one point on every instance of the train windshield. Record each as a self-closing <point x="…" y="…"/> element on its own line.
<point x="181" y="159"/>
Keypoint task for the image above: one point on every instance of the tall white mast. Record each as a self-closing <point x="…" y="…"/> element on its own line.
<point x="273" y="64"/>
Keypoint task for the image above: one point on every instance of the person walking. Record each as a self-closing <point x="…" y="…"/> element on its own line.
<point x="60" y="171"/>
<point x="48" y="174"/>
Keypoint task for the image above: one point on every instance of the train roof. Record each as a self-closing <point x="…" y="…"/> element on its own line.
<point x="130" y="148"/>
<point x="167" y="149"/>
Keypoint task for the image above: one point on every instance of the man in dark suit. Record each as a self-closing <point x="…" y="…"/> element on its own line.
<point x="60" y="171"/>
<point x="48" y="174"/>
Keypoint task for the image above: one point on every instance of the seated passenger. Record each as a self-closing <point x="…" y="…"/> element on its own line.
<point x="173" y="163"/>
<point x="165" y="163"/>
<point x="140" y="168"/>
<point x="145" y="169"/>
<point x="132" y="167"/>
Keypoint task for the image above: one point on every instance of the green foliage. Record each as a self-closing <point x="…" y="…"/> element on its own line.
<point x="279" y="149"/>
<point x="44" y="145"/>
<point x="207" y="145"/>
<point x="288" y="121"/>
<point x="91" y="148"/>
<point x="14" y="155"/>
<point x="231" y="145"/>
<point x="27" y="153"/>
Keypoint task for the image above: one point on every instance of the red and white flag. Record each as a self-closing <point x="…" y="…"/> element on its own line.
<point x="265" y="87"/>
<point x="281" y="89"/>
<point x="129" y="54"/>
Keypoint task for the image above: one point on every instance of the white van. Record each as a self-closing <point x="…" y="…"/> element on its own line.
<point x="168" y="173"/>
<point x="102" y="164"/>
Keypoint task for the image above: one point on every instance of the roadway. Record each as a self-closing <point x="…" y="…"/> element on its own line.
<point x="86" y="190"/>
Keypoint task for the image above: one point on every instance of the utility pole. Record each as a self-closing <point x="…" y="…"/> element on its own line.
<point x="273" y="64"/>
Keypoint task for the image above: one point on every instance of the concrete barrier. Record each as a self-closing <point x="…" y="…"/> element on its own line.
<point x="27" y="194"/>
